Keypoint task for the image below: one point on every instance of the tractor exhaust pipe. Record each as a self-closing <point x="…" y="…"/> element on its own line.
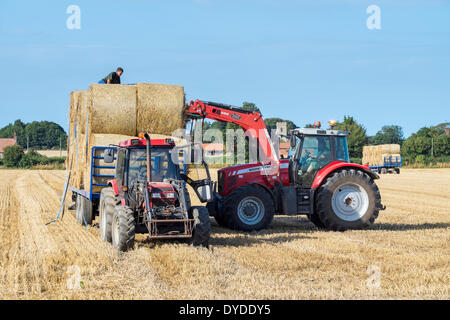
<point x="149" y="158"/>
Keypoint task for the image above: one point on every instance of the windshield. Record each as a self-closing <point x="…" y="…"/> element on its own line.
<point x="162" y="165"/>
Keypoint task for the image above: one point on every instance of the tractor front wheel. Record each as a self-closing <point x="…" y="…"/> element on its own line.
<point x="123" y="228"/>
<point x="314" y="218"/>
<point x="202" y="226"/>
<point x="349" y="199"/>
<point x="218" y="215"/>
<point x="249" y="208"/>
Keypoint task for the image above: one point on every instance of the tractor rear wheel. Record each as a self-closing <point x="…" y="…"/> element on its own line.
<point x="202" y="226"/>
<point x="349" y="199"/>
<point x="83" y="211"/>
<point x="123" y="228"/>
<point x="248" y="208"/>
<point x="106" y="212"/>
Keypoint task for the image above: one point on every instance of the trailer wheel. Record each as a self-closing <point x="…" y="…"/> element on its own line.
<point x="349" y="199"/>
<point x="106" y="212"/>
<point x="248" y="208"/>
<point x="397" y="170"/>
<point x="123" y="228"/>
<point x="384" y="171"/>
<point x="202" y="226"/>
<point x="83" y="211"/>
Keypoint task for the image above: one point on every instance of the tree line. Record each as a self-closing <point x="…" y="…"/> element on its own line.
<point x="37" y="134"/>
<point x="428" y="144"/>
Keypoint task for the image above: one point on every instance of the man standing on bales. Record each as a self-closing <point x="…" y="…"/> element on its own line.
<point x="113" y="77"/>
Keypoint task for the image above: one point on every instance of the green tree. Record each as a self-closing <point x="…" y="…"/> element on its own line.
<point x="18" y="127"/>
<point x="12" y="156"/>
<point x="357" y="138"/>
<point x="388" y="135"/>
<point x="409" y="149"/>
<point x="442" y="145"/>
<point x="45" y="134"/>
<point x="33" y="158"/>
<point x="41" y="134"/>
<point x="417" y="145"/>
<point x="425" y="132"/>
<point x="250" y="106"/>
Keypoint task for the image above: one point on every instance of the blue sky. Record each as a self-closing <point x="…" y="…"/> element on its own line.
<point x="300" y="60"/>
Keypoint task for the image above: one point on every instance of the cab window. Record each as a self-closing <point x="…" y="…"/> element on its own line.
<point x="121" y="157"/>
<point x="316" y="154"/>
<point x="342" y="149"/>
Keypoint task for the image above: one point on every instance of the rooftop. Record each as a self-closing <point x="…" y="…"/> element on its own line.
<point x="6" y="142"/>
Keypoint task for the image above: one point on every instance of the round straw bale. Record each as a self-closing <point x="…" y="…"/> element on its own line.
<point x="160" y="108"/>
<point x="113" y="109"/>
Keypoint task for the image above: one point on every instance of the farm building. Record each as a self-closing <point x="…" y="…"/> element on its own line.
<point x="284" y="149"/>
<point x="213" y="149"/>
<point x="6" y="142"/>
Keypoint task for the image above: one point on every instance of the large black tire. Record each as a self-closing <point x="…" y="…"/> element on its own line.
<point x="349" y="199"/>
<point x="123" y="228"/>
<point x="397" y="170"/>
<point x="248" y="208"/>
<point x="106" y="212"/>
<point x="314" y="218"/>
<point x="202" y="226"/>
<point x="221" y="220"/>
<point x="84" y="210"/>
<point x="216" y="213"/>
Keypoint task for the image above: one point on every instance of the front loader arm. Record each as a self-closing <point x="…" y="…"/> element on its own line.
<point x="250" y="121"/>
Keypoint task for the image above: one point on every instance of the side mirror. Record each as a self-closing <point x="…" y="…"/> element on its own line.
<point x="293" y="141"/>
<point x="204" y="193"/>
<point x="109" y="156"/>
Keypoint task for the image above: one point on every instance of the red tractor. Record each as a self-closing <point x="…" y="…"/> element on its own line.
<point x="317" y="180"/>
<point x="148" y="195"/>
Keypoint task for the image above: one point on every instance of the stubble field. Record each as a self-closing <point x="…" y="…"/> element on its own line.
<point x="404" y="255"/>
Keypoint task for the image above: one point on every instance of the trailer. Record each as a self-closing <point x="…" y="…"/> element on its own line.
<point x="87" y="197"/>
<point x="391" y="164"/>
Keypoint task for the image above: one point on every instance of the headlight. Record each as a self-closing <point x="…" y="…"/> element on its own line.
<point x="170" y="195"/>
<point x="156" y="195"/>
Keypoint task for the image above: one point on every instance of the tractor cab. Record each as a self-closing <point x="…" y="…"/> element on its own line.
<point x="132" y="163"/>
<point x="312" y="150"/>
<point x="163" y="169"/>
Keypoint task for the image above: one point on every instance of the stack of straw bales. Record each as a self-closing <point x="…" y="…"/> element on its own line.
<point x="375" y="155"/>
<point x="109" y="114"/>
